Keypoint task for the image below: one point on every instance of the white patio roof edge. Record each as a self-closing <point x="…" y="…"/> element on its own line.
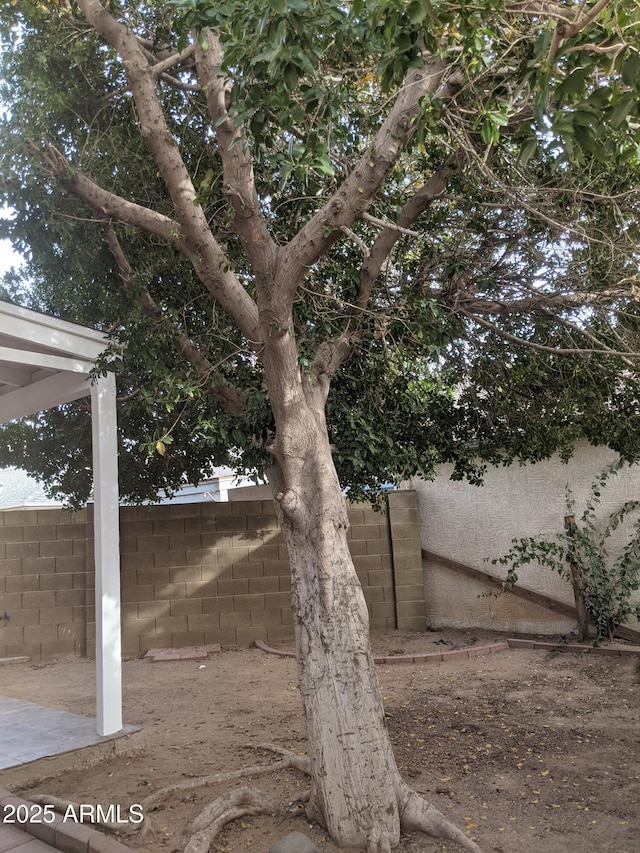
<point x="45" y="362"/>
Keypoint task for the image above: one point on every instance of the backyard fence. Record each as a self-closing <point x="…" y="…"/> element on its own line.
<point x="191" y="574"/>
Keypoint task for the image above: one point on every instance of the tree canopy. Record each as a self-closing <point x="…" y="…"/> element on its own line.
<point x="339" y="241"/>
<point x="487" y="290"/>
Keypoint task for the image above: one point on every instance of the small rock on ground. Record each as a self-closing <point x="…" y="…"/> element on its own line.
<point x="295" y="842"/>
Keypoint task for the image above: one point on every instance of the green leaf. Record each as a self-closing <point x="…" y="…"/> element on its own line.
<point x="416" y="12"/>
<point x="487" y="132"/>
<point x="586" y="138"/>
<point x="574" y="84"/>
<point x="267" y="55"/>
<point x="323" y="166"/>
<point x="527" y="151"/>
<point x="290" y="77"/>
<point x="622" y="109"/>
<point x="543" y="42"/>
<point x="582" y="118"/>
<point x="403" y="42"/>
<point x="498" y="119"/>
<point x="278" y="6"/>
<point x="631" y="70"/>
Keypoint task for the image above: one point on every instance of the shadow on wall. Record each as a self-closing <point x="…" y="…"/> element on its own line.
<point x="190" y="575"/>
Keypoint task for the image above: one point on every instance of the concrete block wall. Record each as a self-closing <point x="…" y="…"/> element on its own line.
<point x="190" y="574"/>
<point x="46" y="588"/>
<point x="203" y="573"/>
<point x="404" y="527"/>
<point x="371" y="549"/>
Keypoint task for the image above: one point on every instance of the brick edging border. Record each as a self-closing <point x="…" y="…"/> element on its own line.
<point x="435" y="657"/>
<point x="576" y="648"/>
<point x="64" y="835"/>
<point x="478" y="651"/>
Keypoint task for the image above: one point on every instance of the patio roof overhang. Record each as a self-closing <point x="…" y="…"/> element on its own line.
<point x="45" y="362"/>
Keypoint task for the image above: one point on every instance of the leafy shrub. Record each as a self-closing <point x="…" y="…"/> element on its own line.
<point x="608" y="583"/>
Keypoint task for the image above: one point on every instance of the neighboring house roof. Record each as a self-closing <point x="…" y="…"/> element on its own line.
<point x="18" y="489"/>
<point x="214" y="488"/>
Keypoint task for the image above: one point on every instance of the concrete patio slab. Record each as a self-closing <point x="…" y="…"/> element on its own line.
<point x="29" y="732"/>
<point x="37" y="742"/>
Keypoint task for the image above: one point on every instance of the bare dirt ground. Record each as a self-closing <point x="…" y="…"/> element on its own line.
<point x="527" y="752"/>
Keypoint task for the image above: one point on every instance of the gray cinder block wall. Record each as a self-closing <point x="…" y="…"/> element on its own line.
<point x="190" y="574"/>
<point x="404" y="521"/>
<point x="46" y="587"/>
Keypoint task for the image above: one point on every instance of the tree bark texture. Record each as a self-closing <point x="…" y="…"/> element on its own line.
<point x="357" y="792"/>
<point x="353" y="769"/>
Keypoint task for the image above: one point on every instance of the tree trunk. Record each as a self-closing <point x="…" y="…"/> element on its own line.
<point x="353" y="770"/>
<point x="352" y="764"/>
<point x="357" y="792"/>
<point x="576" y="576"/>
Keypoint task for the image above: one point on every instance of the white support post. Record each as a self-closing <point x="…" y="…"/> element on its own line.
<point x="107" y="556"/>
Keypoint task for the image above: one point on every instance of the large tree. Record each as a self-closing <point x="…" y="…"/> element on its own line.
<point x="364" y="235"/>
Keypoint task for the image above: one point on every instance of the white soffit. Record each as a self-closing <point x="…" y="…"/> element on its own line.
<point x="44" y="361"/>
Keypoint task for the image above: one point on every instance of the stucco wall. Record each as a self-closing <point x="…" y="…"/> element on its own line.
<point x="468" y="524"/>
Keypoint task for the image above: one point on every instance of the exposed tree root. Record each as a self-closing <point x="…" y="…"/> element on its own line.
<point x="299" y="762"/>
<point x="290" y="759"/>
<point x="228" y="807"/>
<point x="417" y="815"/>
<point x="151" y="802"/>
<point x="303" y="797"/>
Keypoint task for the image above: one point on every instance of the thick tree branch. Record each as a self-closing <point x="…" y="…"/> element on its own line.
<point x="239" y="183"/>
<point x="110" y="204"/>
<point x="584" y="18"/>
<point x="171" y="61"/>
<point x="332" y="354"/>
<point x="566" y="30"/>
<point x="161" y="64"/>
<point x="359" y="188"/>
<point x="388" y="237"/>
<point x="210" y="261"/>
<point x="540" y="9"/>
<point x="606" y="49"/>
<point x="229" y="398"/>
<point x="153" y="125"/>
<point x="176" y="83"/>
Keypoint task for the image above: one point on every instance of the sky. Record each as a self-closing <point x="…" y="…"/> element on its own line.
<point x="8" y="258"/>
